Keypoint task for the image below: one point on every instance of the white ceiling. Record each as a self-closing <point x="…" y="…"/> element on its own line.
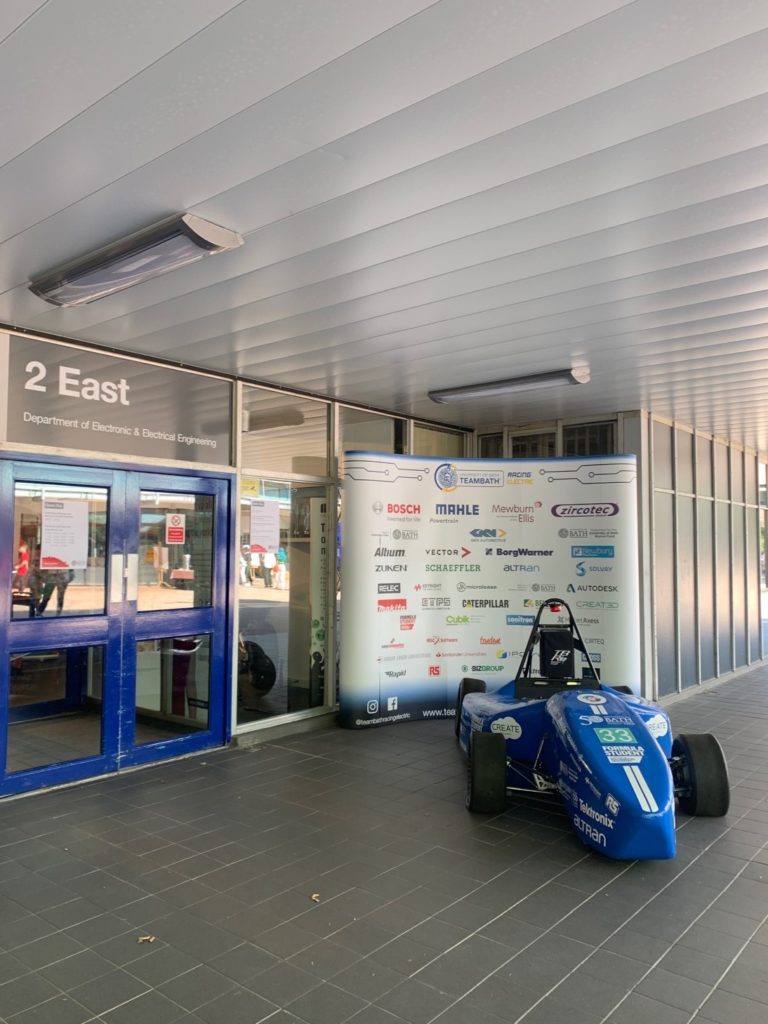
<point x="431" y="193"/>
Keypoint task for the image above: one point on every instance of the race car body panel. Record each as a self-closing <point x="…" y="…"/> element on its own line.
<point x="605" y="753"/>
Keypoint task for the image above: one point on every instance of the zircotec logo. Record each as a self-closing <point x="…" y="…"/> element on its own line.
<point x="607" y="508"/>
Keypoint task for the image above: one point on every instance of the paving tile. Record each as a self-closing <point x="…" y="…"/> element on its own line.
<point x="59" y="1010"/>
<point x="76" y="970"/>
<point x="326" y="1004"/>
<point x="239" y="1006"/>
<point x="414" y="1001"/>
<point x="148" y="1007"/>
<point x="108" y="991"/>
<point x="199" y="985"/>
<point x="729" y="1008"/>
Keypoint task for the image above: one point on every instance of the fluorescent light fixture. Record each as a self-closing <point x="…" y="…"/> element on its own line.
<point x="513" y="385"/>
<point x="172" y="243"/>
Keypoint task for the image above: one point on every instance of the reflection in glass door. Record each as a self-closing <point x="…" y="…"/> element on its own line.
<point x="114" y="619"/>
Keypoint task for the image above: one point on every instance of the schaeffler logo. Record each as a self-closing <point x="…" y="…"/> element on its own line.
<point x="607" y="508"/>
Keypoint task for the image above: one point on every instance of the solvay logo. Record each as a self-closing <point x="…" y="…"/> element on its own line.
<point x="581" y="569"/>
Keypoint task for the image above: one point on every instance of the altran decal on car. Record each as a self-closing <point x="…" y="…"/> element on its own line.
<point x="508" y="727"/>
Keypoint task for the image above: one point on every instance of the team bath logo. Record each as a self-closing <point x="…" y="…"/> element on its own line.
<point x="448" y="477"/>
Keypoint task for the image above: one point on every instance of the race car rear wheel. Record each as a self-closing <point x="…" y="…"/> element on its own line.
<point x="487" y="773"/>
<point x="466" y="686"/>
<point x="701" y="775"/>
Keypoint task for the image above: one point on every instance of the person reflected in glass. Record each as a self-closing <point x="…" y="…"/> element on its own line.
<point x="268" y="561"/>
<point x="281" y="569"/>
<point x="54" y="579"/>
<point x="21" y="568"/>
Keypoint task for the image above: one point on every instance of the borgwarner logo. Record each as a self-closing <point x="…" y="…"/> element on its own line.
<point x="448" y="477"/>
<point x="520" y="552"/>
<point x="606" y="508"/>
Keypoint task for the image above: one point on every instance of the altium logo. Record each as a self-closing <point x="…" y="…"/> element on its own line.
<point x="389" y="553"/>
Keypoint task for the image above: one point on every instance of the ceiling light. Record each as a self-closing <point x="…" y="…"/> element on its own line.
<point x="513" y="385"/>
<point x="172" y="243"/>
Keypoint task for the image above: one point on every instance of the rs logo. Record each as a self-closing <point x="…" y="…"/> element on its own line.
<point x="559" y="657"/>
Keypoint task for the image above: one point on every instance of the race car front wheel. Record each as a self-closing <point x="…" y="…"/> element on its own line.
<point x="487" y="773"/>
<point x="466" y="686"/>
<point x="700" y="773"/>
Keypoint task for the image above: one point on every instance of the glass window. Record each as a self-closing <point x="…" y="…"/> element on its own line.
<point x="60" y="558"/>
<point x="172" y="686"/>
<point x="54" y="706"/>
<point x="684" y="457"/>
<point x="445" y="444"/>
<point x="704" y="467"/>
<point x="175" y="551"/>
<point x="365" y="431"/>
<point x="533" y="446"/>
<point x="490" y="446"/>
<point x="284" y="433"/>
<point x="285" y="550"/>
<point x="589" y="439"/>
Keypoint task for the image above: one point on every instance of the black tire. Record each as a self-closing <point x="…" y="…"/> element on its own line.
<point x="466" y="686"/>
<point x="701" y="775"/>
<point x="257" y="667"/>
<point x="487" y="773"/>
<point x="622" y="689"/>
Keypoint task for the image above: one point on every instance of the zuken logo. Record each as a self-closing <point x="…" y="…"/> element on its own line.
<point x="520" y="620"/>
<point x="389" y="588"/>
<point x="592" y="551"/>
<point x="607" y="508"/>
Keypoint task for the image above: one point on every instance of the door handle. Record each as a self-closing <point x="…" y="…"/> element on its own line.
<point x="116" y="579"/>
<point x="132" y="578"/>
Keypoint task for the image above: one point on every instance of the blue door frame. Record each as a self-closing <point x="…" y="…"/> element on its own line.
<point x="121" y="627"/>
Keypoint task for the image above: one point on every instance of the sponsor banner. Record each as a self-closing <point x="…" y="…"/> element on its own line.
<point x="447" y="560"/>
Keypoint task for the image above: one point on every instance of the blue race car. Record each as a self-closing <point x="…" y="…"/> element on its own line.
<point x="608" y="753"/>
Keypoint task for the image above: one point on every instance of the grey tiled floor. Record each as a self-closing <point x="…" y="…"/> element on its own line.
<point x="337" y="877"/>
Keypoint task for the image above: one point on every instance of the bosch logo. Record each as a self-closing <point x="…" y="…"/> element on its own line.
<point x="608" y="508"/>
<point x="403" y="510"/>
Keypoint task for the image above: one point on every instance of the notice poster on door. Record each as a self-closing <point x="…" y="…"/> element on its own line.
<point x="444" y="566"/>
<point x="175" y="528"/>
<point x="265" y="525"/>
<point x="64" y="534"/>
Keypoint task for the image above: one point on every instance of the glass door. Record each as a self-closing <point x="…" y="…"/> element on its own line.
<point x="115" y="619"/>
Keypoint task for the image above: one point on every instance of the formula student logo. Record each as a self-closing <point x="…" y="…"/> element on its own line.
<point x="448" y="477"/>
<point x="606" y="508"/>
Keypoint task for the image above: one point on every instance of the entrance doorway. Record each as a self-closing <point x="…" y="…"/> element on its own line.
<point x="114" y="618"/>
